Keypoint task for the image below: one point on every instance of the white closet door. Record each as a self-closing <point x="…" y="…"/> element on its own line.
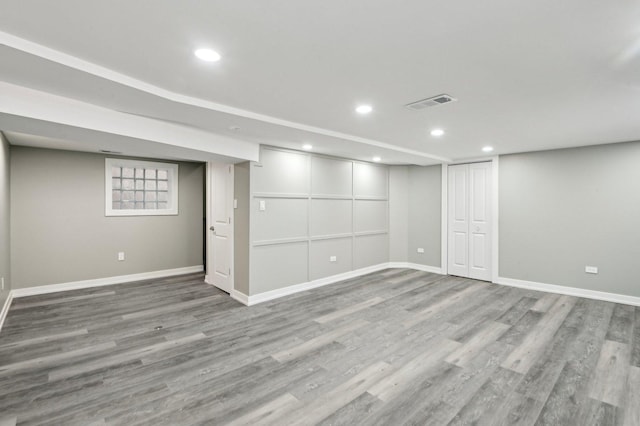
<point x="469" y="218"/>
<point x="458" y="220"/>
<point x="480" y="221"/>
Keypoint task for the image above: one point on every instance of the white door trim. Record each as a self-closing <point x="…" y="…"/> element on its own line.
<point x="495" y="255"/>
<point x="444" y="215"/>
<point x="209" y="222"/>
<point x="444" y="231"/>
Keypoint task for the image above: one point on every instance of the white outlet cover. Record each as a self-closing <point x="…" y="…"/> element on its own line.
<point x="591" y="269"/>
<point x="263" y="205"/>
<point x="120" y="255"/>
<point x="333" y="259"/>
<point x="420" y="250"/>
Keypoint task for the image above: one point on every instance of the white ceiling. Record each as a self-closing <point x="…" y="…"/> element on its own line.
<point x="527" y="75"/>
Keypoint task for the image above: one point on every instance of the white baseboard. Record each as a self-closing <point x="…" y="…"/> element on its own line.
<point x="530" y="285"/>
<point x="240" y="297"/>
<point x="297" y="288"/>
<point x="416" y="266"/>
<point x="570" y="291"/>
<point x="5" y="309"/>
<point x="99" y="282"/>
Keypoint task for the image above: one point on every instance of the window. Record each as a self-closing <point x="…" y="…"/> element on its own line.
<point x="140" y="188"/>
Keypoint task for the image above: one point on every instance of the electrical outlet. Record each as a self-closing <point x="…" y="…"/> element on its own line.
<point x="2" y="283"/>
<point x="262" y="205"/>
<point x="591" y="269"/>
<point x="235" y="203"/>
<point x="333" y="259"/>
<point x="120" y="256"/>
<point x="420" y="250"/>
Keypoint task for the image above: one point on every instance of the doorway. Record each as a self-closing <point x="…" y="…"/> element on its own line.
<point x="470" y="220"/>
<point x="219" y="226"/>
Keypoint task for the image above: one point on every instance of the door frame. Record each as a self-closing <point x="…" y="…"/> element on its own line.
<point x="444" y="232"/>
<point x="209" y="199"/>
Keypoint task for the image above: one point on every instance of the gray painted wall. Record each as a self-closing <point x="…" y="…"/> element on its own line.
<point x="425" y="215"/>
<point x="60" y="232"/>
<point x="316" y="207"/>
<point x="5" y="251"/>
<point x="241" y="227"/>
<point x="415" y="194"/>
<point x="398" y="213"/>
<point x="565" y="209"/>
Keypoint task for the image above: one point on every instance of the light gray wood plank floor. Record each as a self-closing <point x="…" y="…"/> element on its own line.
<point x="390" y="348"/>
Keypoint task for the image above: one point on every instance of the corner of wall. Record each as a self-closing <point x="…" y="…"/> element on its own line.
<point x="241" y="227"/>
<point x="424" y="244"/>
<point x="398" y="213"/>
<point x="5" y="221"/>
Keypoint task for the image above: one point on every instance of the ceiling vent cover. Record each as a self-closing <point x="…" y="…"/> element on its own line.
<point x="431" y="102"/>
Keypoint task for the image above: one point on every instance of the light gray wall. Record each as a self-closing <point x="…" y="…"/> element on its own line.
<point x="425" y="215"/>
<point x="60" y="232"/>
<point x="565" y="209"/>
<point x="398" y="213"/>
<point x="5" y="251"/>
<point x="415" y="194"/>
<point x="241" y="227"/>
<point x="316" y="207"/>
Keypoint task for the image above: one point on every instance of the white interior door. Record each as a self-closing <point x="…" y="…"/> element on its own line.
<point x="469" y="218"/>
<point x="480" y="221"/>
<point x="219" y="226"/>
<point x="458" y="220"/>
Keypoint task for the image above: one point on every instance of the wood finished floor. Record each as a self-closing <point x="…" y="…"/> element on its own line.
<point x="391" y="348"/>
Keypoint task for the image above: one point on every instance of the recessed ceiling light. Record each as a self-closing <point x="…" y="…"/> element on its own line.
<point x="487" y="149"/>
<point x="437" y="132"/>
<point x="207" y="55"/>
<point x="307" y="147"/>
<point x="364" y="109"/>
<point x="377" y="159"/>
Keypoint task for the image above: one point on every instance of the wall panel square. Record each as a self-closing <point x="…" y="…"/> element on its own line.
<point x="330" y="217"/>
<point x="370" y="180"/>
<point x="370" y="250"/>
<point x="321" y="252"/>
<point x="370" y="215"/>
<point x="283" y="218"/>
<point x="281" y="172"/>
<point x="331" y="177"/>
<point x="277" y="266"/>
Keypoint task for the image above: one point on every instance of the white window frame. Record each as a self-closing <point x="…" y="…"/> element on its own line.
<point x="172" y="170"/>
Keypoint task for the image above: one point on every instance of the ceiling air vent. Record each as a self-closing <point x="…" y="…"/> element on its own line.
<point x="431" y="102"/>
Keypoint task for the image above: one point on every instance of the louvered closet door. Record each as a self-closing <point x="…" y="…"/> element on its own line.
<point x="469" y="218"/>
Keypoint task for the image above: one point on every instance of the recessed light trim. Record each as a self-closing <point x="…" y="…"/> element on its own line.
<point x="437" y="133"/>
<point x="207" y="55"/>
<point x="364" y="109"/>
<point x="487" y="149"/>
<point x="377" y="159"/>
<point x="307" y="147"/>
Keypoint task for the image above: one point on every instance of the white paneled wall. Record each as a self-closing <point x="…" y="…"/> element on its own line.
<point x="314" y="208"/>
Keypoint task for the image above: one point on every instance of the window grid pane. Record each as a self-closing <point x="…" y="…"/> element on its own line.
<point x="140" y="188"/>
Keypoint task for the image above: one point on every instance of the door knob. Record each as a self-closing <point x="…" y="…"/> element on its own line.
<point x="212" y="228"/>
